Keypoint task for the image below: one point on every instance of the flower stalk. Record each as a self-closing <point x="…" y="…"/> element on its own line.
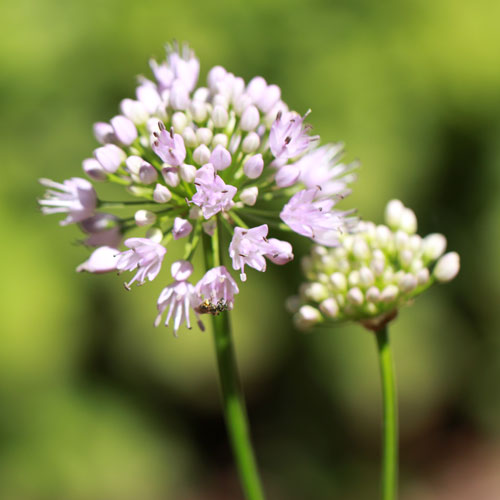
<point x="231" y="390"/>
<point x="389" y="474"/>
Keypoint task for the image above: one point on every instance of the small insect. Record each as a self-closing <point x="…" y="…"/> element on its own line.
<point x="207" y="307"/>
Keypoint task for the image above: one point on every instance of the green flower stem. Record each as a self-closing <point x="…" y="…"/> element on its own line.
<point x="390" y="417"/>
<point x="232" y="394"/>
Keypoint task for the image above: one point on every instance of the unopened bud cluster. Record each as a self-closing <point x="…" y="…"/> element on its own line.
<point x="374" y="271"/>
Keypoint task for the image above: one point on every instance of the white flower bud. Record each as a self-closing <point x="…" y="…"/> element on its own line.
<point x="187" y="172"/>
<point x="154" y="234"/>
<point x="110" y="157"/>
<point x="306" y="317"/>
<point x="383" y="235"/>
<point x="416" y="265"/>
<point x="124" y="129"/>
<point x="373" y="294"/>
<point x="366" y="277"/>
<point x="423" y="276"/>
<point x="144" y="217"/>
<point x="204" y="135"/>
<point x="353" y="279"/>
<point x="152" y="125"/>
<point x="339" y="253"/>
<point x="199" y="111"/>
<point x="253" y="166"/>
<point x="234" y="143"/>
<point x="415" y="243"/>
<point x="447" y="267"/>
<point x="269" y="98"/>
<point x="134" y="110"/>
<point x="306" y="264"/>
<point x="161" y="194"/>
<point x="220" y="100"/>
<point x="220" y="158"/>
<point x="179" y="96"/>
<point x="434" y="246"/>
<point x="250" y="118"/>
<point x="394" y="213"/>
<point x="250" y="143"/>
<point x="355" y="296"/>
<point x="179" y="122"/>
<point x="315" y="292"/>
<point x="220" y="140"/>
<point x="343" y="266"/>
<point x="405" y="257"/>
<point x="201" y="155"/>
<point x="388" y="274"/>
<point x="241" y="103"/>
<point x="360" y="248"/>
<point x="216" y="74"/>
<point x="189" y="136"/>
<point x="220" y="116"/>
<point x="377" y="265"/>
<point x="408" y="282"/>
<point x="329" y="307"/>
<point x="389" y="293"/>
<point x="209" y="227"/>
<point x="256" y="87"/>
<point x="249" y="195"/>
<point x="402" y="240"/>
<point x="408" y="222"/>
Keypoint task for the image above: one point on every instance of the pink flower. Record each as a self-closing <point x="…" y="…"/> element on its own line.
<point x="314" y="219"/>
<point x="288" y="137"/>
<point x="213" y="195"/>
<point x="146" y="255"/>
<point x="74" y="196"/>
<point x="180" y="297"/>
<point x="102" y="260"/>
<point x="169" y="146"/>
<point x="248" y="247"/>
<point x="218" y="288"/>
<point x="185" y="67"/>
<point x="320" y="167"/>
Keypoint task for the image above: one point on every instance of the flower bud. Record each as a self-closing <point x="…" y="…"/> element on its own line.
<point x="405" y="257"/>
<point x="179" y="122"/>
<point x="148" y="174"/>
<point x="234" y="143"/>
<point x="104" y="132"/>
<point x="144" y="217"/>
<point x="209" y="227"/>
<point x="220" y="140"/>
<point x="287" y="176"/>
<point x="199" y="111"/>
<point x="389" y="293"/>
<point x="250" y="118"/>
<point x="253" y="166"/>
<point x="353" y="278"/>
<point x="434" y="246"/>
<point x="373" y="294"/>
<point x="408" y="222"/>
<point x="447" y="267"/>
<point x="339" y="282"/>
<point x="161" y="194"/>
<point x="329" y="307"/>
<point x="250" y="143"/>
<point x="383" y="236"/>
<point x="292" y="304"/>
<point x="194" y="212"/>
<point x="124" y="130"/>
<point x="355" y="296"/>
<point x="220" y="100"/>
<point x="220" y="158"/>
<point x="170" y="175"/>
<point x="306" y="317"/>
<point x="423" y="276"/>
<point x="204" y="135"/>
<point x="360" y="248"/>
<point x="220" y="116"/>
<point x="187" y="172"/>
<point x="216" y="74"/>
<point x="179" y="96"/>
<point x="189" y="136"/>
<point x="154" y="234"/>
<point x="315" y="292"/>
<point x="366" y="277"/>
<point x="402" y="240"/>
<point x="181" y="229"/>
<point x="249" y="196"/>
<point x="408" y="282"/>
<point x="181" y="270"/>
<point x="241" y="103"/>
<point x="256" y="87"/>
<point x="394" y="213"/>
<point x="110" y="157"/>
<point x="201" y="155"/>
<point x="269" y="98"/>
<point x="102" y="260"/>
<point x="134" y="110"/>
<point x="94" y="169"/>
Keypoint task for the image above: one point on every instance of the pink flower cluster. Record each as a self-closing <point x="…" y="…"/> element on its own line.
<point x="193" y="161"/>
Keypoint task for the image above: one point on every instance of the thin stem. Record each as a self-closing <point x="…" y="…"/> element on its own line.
<point x="232" y="394"/>
<point x="123" y="204"/>
<point x="390" y="417"/>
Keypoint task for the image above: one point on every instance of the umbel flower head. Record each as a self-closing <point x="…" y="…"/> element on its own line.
<point x="226" y="155"/>
<point x="372" y="273"/>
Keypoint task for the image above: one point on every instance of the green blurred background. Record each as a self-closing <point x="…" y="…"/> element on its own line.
<point x="97" y="404"/>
